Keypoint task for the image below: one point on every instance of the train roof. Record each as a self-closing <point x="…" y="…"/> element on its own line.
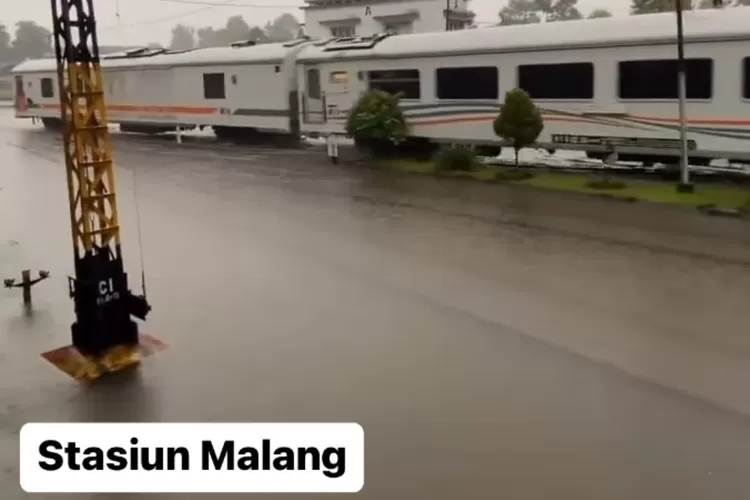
<point x="268" y="53"/>
<point x="712" y="24"/>
<point x="700" y="25"/>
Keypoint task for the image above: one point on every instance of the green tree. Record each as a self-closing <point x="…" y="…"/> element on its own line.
<point x="519" y="12"/>
<point x="533" y="11"/>
<point x="282" y="29"/>
<point x="235" y="30"/>
<point x="31" y="40"/>
<point x="599" y="13"/>
<point x="376" y="122"/>
<point x="206" y="37"/>
<point x="257" y="35"/>
<point x="520" y="121"/>
<point x="5" y="45"/>
<point x="183" y="38"/>
<point x="654" y="6"/>
<point x="559" y="10"/>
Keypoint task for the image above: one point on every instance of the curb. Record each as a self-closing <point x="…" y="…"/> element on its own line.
<point x="714" y="210"/>
<point x="735" y="213"/>
<point x="707" y="209"/>
<point x="625" y="199"/>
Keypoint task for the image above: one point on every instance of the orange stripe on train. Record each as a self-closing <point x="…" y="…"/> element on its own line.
<point x="570" y="119"/>
<point x="489" y="118"/>
<point x="185" y="110"/>
<point x="207" y="110"/>
<point x="694" y="121"/>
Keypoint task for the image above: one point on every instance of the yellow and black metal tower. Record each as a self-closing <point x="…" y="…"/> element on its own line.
<point x="104" y="330"/>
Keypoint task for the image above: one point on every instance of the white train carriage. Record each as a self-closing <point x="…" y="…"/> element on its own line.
<point x="598" y="82"/>
<point x="240" y="89"/>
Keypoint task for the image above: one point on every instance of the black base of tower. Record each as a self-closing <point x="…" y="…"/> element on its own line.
<point x="104" y="304"/>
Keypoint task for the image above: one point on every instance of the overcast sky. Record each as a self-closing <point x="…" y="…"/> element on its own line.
<point x="143" y="21"/>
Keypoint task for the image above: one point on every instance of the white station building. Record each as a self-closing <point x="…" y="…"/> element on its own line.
<point x="344" y="18"/>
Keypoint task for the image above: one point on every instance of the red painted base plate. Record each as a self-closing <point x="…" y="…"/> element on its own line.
<point x="70" y="361"/>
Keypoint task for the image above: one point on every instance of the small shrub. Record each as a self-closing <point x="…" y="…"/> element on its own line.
<point x="376" y="122"/>
<point x="614" y="197"/>
<point x="456" y="159"/>
<point x="489" y="151"/>
<point x="520" y="121"/>
<point x="605" y="183"/>
<point x="418" y="148"/>
<point x="513" y="176"/>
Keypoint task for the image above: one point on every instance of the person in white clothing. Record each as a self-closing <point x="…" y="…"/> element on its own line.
<point x="333" y="148"/>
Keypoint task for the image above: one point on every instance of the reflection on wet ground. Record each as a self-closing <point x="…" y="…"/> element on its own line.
<point x="492" y="342"/>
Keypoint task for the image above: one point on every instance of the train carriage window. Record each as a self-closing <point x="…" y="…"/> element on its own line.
<point x="213" y="86"/>
<point x="467" y="83"/>
<point x="339" y="77"/>
<point x="657" y="79"/>
<point x="313" y="84"/>
<point x="746" y="78"/>
<point x="48" y="88"/>
<point x="342" y="31"/>
<point x="567" y="81"/>
<point x="403" y="81"/>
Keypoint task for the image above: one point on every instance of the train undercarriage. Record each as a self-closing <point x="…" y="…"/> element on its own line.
<point x="416" y="147"/>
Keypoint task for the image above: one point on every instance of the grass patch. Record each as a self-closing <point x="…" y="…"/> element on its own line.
<point x="409" y="166"/>
<point x="480" y="172"/>
<point x="727" y="196"/>
<point x="648" y="190"/>
<point x="609" y="184"/>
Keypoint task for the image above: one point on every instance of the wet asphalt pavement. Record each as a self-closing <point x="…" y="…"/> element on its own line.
<point x="493" y="343"/>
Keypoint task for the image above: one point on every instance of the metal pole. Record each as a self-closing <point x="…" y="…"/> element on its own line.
<point x="684" y="185"/>
<point x="447" y="12"/>
<point x="26" y="286"/>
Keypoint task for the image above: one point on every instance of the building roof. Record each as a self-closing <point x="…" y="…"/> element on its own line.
<point x="630" y="30"/>
<point x="256" y="54"/>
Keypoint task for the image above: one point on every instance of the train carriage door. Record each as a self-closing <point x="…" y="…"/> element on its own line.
<point x="313" y="108"/>
<point x="21" y="103"/>
<point x="339" y="97"/>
